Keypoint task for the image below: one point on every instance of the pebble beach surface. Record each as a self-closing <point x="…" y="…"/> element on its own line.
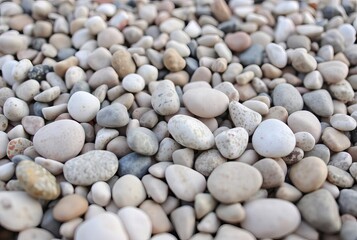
<point x="185" y="119"/>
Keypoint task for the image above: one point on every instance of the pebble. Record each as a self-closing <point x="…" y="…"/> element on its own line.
<point x="35" y="234"/>
<point x="123" y="63"/>
<point x="335" y="140"/>
<point x="173" y="61"/>
<point x="159" y="220"/>
<point x="133" y="83"/>
<point x="19" y="211"/>
<point x="320" y="102"/>
<point x="273" y="138"/>
<point x="128" y="190"/>
<point x="48" y="95"/>
<point x="252" y="55"/>
<point x="83" y="106"/>
<point x="207" y="161"/>
<point x="244" y="117"/>
<point x="113" y="116"/>
<point x="184" y="182"/>
<point x="15" y="109"/>
<point x="287" y="96"/>
<point x="305" y="141"/>
<point x="165" y="100"/>
<point x="37" y="181"/>
<point x="105" y="225"/>
<point x="305" y="121"/>
<point x="32" y="124"/>
<point x="234" y="175"/>
<point x="277" y="218"/>
<point x="303" y="62"/>
<point x="273" y="174"/>
<point x="339" y="177"/>
<point x="284" y="28"/>
<point x="190" y="132"/>
<point x="277" y="55"/>
<point x="136" y="222"/>
<point x="347" y="201"/>
<point x="308" y="174"/>
<point x="313" y="80"/>
<point x="205" y="102"/>
<point x="135" y="164"/>
<point x="232" y="143"/>
<point x="227" y="231"/>
<point x="70" y="207"/>
<point x="343" y="122"/>
<point x="142" y="141"/>
<point x="101" y="193"/>
<point x="60" y="146"/>
<point x="342" y="91"/>
<point x="333" y="71"/>
<point x="184" y="229"/>
<point x="17" y="146"/>
<point x="320" y="210"/>
<point x="238" y="42"/>
<point x="155" y="188"/>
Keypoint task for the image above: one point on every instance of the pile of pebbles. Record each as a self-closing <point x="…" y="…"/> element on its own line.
<point x="184" y="119"/>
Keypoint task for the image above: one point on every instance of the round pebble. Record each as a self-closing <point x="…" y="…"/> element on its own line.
<point x="133" y="83"/>
<point x="273" y="138"/>
<point x="233" y="175"/>
<point x="83" y="106"/>
<point x="128" y="190"/>
<point x="15" y="109"/>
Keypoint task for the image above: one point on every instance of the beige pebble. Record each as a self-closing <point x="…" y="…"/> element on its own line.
<point x="342" y="91"/>
<point x="159" y="220"/>
<point x="305" y="141"/>
<point x="244" y="117"/>
<point x="333" y="71"/>
<point x="155" y="188"/>
<point x="68" y="228"/>
<point x="305" y="121"/>
<point x="53" y="166"/>
<point x="183" y="220"/>
<point x="288" y="192"/>
<point x="70" y="207"/>
<point x="101" y="193"/>
<point x="123" y="63"/>
<point x="339" y="177"/>
<point x="99" y="58"/>
<point x="227" y="231"/>
<point x="303" y="62"/>
<point x="204" y="204"/>
<point x="273" y="175"/>
<point x="232" y="143"/>
<point x="136" y="222"/>
<point x="173" y="61"/>
<point x="231" y="213"/>
<point x="335" y="140"/>
<point x="15" y="109"/>
<point x="308" y="174"/>
<point x="128" y="190"/>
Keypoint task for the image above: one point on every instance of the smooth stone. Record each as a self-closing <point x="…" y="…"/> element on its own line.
<point x="164" y="99"/>
<point x="313" y="80"/>
<point x="244" y="117"/>
<point x="343" y="122"/>
<point x="320" y="102"/>
<point x="277" y="55"/>
<point x="133" y="83"/>
<point x="105" y="225"/>
<point x="347" y="202"/>
<point x="342" y="160"/>
<point x="101" y="193"/>
<point x="83" y="106"/>
<point x="190" y="132"/>
<point x="173" y="61"/>
<point x="276" y="217"/>
<point x="37" y="181"/>
<point x="288" y="192"/>
<point x="231" y="213"/>
<point x="335" y="140"/>
<point x="128" y="190"/>
<point x="232" y="143"/>
<point x="136" y="222"/>
<point x="230" y="232"/>
<point x="305" y="121"/>
<point x="35" y="234"/>
<point x="113" y="116"/>
<point x="204" y="204"/>
<point x="303" y="62"/>
<point x="106" y="76"/>
<point x="91" y="167"/>
<point x="305" y="141"/>
<point x="283" y="29"/>
<point x="273" y="174"/>
<point x="155" y="188"/>
<point x="19" y="211"/>
<point x="205" y="102"/>
<point x="158" y="217"/>
<point x="135" y="164"/>
<point x="339" y="177"/>
<point x="15" y="109"/>
<point x="208" y="160"/>
<point x="183" y="221"/>
<point x="233" y="175"/>
<point x="308" y="174"/>
<point x="333" y="71"/>
<point x="342" y="91"/>
<point x="253" y="55"/>
<point x="238" y="41"/>
<point x="17" y="146"/>
<point x="142" y="141"/>
<point x="70" y="207"/>
<point x="320" y="210"/>
<point x="287" y="96"/>
<point x="273" y="138"/>
<point x="185" y="182"/>
<point x="59" y="145"/>
<point x="32" y="124"/>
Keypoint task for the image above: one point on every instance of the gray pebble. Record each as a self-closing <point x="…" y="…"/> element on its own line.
<point x="253" y="55"/>
<point x="39" y="72"/>
<point x="135" y="164"/>
<point x="348" y="202"/>
<point x="113" y="116"/>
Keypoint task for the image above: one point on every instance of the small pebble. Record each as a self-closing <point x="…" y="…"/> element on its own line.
<point x="70" y="207"/>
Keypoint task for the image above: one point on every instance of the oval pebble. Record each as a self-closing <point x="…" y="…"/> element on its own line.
<point x="70" y="207"/>
<point x="343" y="122"/>
<point x="232" y="143"/>
<point x="15" y="109"/>
<point x="143" y="141"/>
<point x="273" y="138"/>
<point x="277" y="218"/>
<point x="133" y="83"/>
<point x="83" y="106"/>
<point x="113" y="116"/>
<point x="233" y="176"/>
<point x="164" y="99"/>
<point x="190" y="132"/>
<point x="205" y="102"/>
<point x="59" y="145"/>
<point x="128" y="190"/>
<point x="287" y="96"/>
<point x="136" y="222"/>
<point x="91" y="167"/>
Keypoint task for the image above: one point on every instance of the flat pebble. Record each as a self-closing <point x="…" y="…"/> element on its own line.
<point x="70" y="207"/>
<point x="155" y="188"/>
<point x="320" y="210"/>
<point x="37" y="181"/>
<point x="244" y="117"/>
<point x="190" y="132"/>
<point x="234" y="175"/>
<point x="19" y="211"/>
<point x="158" y="217"/>
<point x="136" y="222"/>
<point x="277" y="218"/>
<point x="184" y="229"/>
<point x="273" y="138"/>
<point x="143" y="141"/>
<point x="83" y="106"/>
<point x="91" y="167"/>
<point x="308" y="174"/>
<point x="335" y="140"/>
<point x="106" y="225"/>
<point x="113" y="116"/>
<point x="184" y="182"/>
<point x="205" y="102"/>
<point x="232" y="143"/>
<point x="128" y="190"/>
<point x="343" y="122"/>
<point x="59" y="145"/>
